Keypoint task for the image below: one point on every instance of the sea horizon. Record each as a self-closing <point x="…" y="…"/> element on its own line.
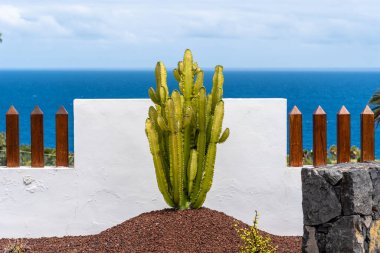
<point x="169" y="68"/>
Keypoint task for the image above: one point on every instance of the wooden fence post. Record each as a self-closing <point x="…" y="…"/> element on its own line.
<point x="12" y="138"/>
<point x="295" y="138"/>
<point x="319" y="137"/>
<point x="367" y="135"/>
<point x="62" y="137"/>
<point x="37" y="137"/>
<point x="343" y="135"/>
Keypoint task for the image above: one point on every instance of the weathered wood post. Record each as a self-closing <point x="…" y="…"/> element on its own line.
<point x="343" y="135"/>
<point x="37" y="137"/>
<point x="367" y="135"/>
<point x="62" y="137"/>
<point x="295" y="138"/>
<point x="319" y="137"/>
<point x="12" y="137"/>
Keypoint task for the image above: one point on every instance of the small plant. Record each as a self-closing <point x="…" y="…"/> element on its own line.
<point x="253" y="242"/>
<point x="333" y="150"/>
<point x="16" y="246"/>
<point x="307" y="157"/>
<point x="183" y="130"/>
<point x="355" y="153"/>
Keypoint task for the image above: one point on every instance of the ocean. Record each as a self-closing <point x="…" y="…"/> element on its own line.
<point x="306" y="89"/>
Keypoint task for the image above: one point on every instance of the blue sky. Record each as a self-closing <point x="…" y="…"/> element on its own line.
<point x="237" y="34"/>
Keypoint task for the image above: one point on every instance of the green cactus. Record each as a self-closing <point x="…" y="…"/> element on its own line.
<point x="183" y="130"/>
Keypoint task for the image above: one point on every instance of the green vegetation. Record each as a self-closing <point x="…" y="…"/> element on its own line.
<point x="183" y="130"/>
<point x="17" y="246"/>
<point x="331" y="155"/>
<point x="25" y="154"/>
<point x="253" y="241"/>
<point x="374" y="102"/>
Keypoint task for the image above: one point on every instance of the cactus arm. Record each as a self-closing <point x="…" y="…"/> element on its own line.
<point x="178" y="108"/>
<point x="208" y="129"/>
<point x="194" y="107"/>
<point x="192" y="169"/>
<point x="162" y="124"/>
<point x="158" y="162"/>
<point x="210" y="157"/>
<point x="208" y="109"/>
<point x="202" y="107"/>
<point x="217" y="88"/>
<point x="198" y="82"/>
<point x="224" y="136"/>
<point x="173" y="150"/>
<point x="161" y="132"/>
<point x="176" y="155"/>
<point x="201" y="141"/>
<point x="207" y="177"/>
<point x="167" y="135"/>
<point x="152" y="114"/>
<point x="188" y="75"/>
<point x="181" y="80"/>
<point x="182" y="177"/>
<point x="163" y="94"/>
<point x="188" y="116"/>
<point x="217" y="122"/>
<point x="153" y="96"/>
<point x="161" y="81"/>
<point x="176" y="75"/>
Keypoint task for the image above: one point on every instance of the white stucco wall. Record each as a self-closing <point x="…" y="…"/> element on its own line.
<point x="114" y="179"/>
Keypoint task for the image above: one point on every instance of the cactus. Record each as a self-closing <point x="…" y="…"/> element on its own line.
<point x="183" y="130"/>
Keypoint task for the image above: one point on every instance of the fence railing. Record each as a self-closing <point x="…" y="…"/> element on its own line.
<point x="37" y="138"/>
<point x="367" y="136"/>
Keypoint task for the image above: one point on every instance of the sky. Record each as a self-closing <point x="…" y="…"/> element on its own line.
<point x="238" y="34"/>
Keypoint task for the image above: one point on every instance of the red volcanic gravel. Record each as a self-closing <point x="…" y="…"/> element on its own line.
<point x="190" y="231"/>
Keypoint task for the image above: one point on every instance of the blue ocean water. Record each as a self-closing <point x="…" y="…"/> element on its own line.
<point x="306" y="89"/>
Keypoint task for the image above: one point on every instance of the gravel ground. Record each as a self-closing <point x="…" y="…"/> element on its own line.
<point x="190" y="231"/>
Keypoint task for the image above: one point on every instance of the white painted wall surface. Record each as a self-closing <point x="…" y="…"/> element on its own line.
<point x="114" y="179"/>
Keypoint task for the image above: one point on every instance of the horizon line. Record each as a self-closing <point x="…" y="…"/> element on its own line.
<point x="327" y="69"/>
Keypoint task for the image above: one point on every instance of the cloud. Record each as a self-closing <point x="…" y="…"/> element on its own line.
<point x="276" y="31"/>
<point x="148" y="21"/>
<point x="17" y="21"/>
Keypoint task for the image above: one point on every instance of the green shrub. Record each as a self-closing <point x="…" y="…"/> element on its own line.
<point x="355" y="153"/>
<point x="253" y="241"/>
<point x="16" y="246"/>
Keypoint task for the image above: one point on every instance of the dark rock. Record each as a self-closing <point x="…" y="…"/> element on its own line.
<point x="332" y="175"/>
<point x="309" y="241"/>
<point x="324" y="228"/>
<point x="338" y="191"/>
<point x="356" y="188"/>
<point x="321" y="241"/>
<point x="356" y="192"/>
<point x="346" y="235"/>
<point x="319" y="201"/>
<point x="375" y="176"/>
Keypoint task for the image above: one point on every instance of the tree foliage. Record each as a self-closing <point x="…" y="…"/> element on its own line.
<point x="374" y="102"/>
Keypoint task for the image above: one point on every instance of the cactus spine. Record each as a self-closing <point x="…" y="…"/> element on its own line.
<point x="183" y="130"/>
